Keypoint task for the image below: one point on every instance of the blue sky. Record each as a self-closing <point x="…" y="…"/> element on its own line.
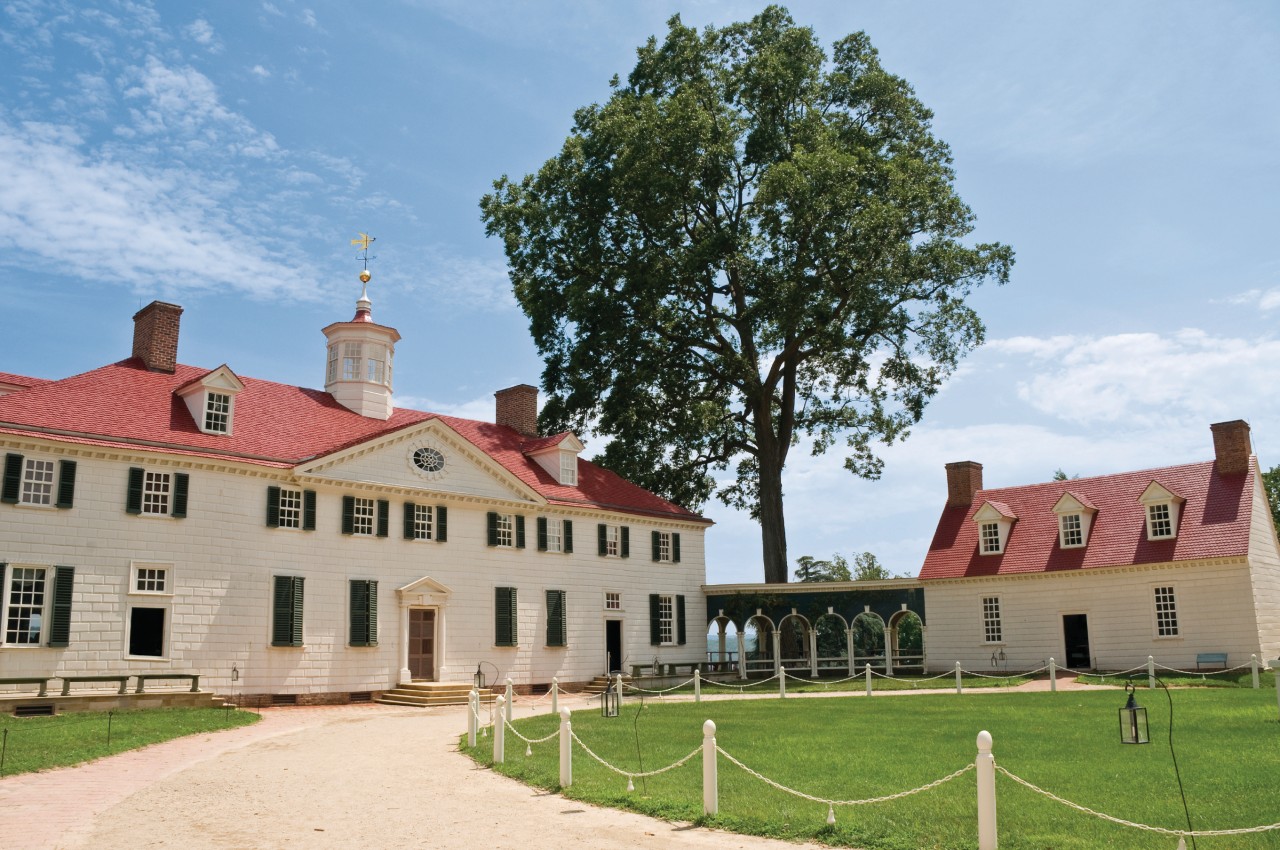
<point x="222" y="156"/>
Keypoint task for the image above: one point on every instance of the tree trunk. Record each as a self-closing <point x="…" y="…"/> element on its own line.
<point x="773" y="528"/>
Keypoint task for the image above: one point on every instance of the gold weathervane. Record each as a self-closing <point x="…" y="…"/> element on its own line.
<point x="363" y="243"/>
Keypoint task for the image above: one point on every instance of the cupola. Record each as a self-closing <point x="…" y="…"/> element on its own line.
<point x="358" y="372"/>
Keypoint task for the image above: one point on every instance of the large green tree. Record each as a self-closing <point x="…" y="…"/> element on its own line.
<point x="750" y="242"/>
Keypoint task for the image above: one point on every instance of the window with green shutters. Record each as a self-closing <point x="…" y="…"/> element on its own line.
<point x="60" y="621"/>
<point x="286" y="611"/>
<point x="35" y="481"/>
<point x="505" y="530"/>
<point x="504" y="616"/>
<point x="291" y="508"/>
<point x="157" y="493"/>
<point x="556" y="618"/>
<point x="667" y="619"/>
<point x="666" y="547"/>
<point x="426" y="522"/>
<point x="613" y="541"/>
<point x="555" y="535"/>
<point x="364" y="612"/>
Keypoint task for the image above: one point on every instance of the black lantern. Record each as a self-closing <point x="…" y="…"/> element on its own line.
<point x="1133" y="721"/>
<point x="477" y="681"/>
<point x="609" y="699"/>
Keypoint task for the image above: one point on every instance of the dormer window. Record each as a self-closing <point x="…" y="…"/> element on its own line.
<point x="1162" y="507"/>
<point x="558" y="455"/>
<point x="569" y="469"/>
<point x="1075" y="516"/>
<point x="212" y="399"/>
<point x="994" y="520"/>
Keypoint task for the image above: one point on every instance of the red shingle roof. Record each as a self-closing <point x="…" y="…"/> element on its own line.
<point x="1213" y="523"/>
<point x="22" y="381"/>
<point x="276" y="425"/>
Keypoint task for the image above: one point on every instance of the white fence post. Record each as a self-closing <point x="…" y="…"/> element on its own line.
<point x="866" y="674"/>
<point x="782" y="682"/>
<point x="566" y="749"/>
<point x="777" y="651"/>
<point x="1275" y="668"/>
<point x="1151" y="672"/>
<point x="697" y="685"/>
<point x="499" y="735"/>
<point x="473" y="700"/>
<point x="986" y="769"/>
<point x="959" y="687"/>
<point x="848" y="648"/>
<point x="510" y="700"/>
<point x="617" y="683"/>
<point x="710" y="778"/>
<point x="1253" y="663"/>
<point x="555" y="695"/>
<point x="1053" y="676"/>
<point x="813" y="653"/>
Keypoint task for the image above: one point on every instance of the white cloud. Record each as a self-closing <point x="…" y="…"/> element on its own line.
<point x="201" y="32"/>
<point x="309" y="18"/>
<point x="479" y="409"/>
<point x="259" y="71"/>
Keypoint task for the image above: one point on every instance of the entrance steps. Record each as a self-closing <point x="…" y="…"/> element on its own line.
<point x="599" y="683"/>
<point x="431" y="693"/>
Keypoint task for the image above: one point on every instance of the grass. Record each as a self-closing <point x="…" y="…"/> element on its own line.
<point x="1228" y="748"/>
<point x="39" y="743"/>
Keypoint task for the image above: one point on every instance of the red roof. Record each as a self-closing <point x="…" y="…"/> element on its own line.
<point x="10" y="379"/>
<point x="1213" y="523"/>
<point x="126" y="405"/>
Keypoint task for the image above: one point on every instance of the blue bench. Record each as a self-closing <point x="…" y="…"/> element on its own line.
<point x="1218" y="659"/>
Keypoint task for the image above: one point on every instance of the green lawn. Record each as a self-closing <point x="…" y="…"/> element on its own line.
<point x="37" y="743"/>
<point x="1228" y="748"/>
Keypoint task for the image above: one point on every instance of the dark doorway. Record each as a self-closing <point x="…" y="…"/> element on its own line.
<point x="1075" y="635"/>
<point x="613" y="644"/>
<point x="422" y="644"/>
<point x="146" y="631"/>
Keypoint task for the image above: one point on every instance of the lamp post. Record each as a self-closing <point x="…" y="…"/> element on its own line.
<point x="609" y="702"/>
<point x="1133" y="721"/>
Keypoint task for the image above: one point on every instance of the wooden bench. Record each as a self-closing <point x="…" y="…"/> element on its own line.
<point x="68" y="680"/>
<point x="42" y="681"/>
<point x="1218" y="659"/>
<point x="143" y="678"/>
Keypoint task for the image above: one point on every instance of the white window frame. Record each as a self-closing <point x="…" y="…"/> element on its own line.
<point x="992" y="621"/>
<point x="505" y="531"/>
<point x="1071" y="531"/>
<point x="290" y="509"/>
<point x="666" y="619"/>
<point x="424" y="522"/>
<point x="39" y="482"/>
<point x="217" y="412"/>
<point x="376" y="364"/>
<point x="144" y="572"/>
<point x="1160" y="521"/>
<point x="36" y="609"/>
<point x="364" y="516"/>
<point x="989" y="535"/>
<point x="613" y="541"/>
<point x="157" y="493"/>
<point x="569" y="469"/>
<point x="331" y="374"/>
<point x="664" y="547"/>
<point x="555" y="535"/>
<point x="352" y="361"/>
<point x="1165" y="610"/>
<point x="613" y="600"/>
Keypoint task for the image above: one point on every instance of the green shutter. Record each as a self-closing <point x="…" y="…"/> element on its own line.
<point x="364" y="612"/>
<point x="384" y="517"/>
<point x="675" y="548"/>
<point x="273" y="507"/>
<point x="348" y="514"/>
<point x="66" y="483"/>
<point x="602" y="539"/>
<point x="410" y="527"/>
<point x="655" y="627"/>
<point x="519" y="531"/>
<point x="12" y="479"/>
<point x="542" y="534"/>
<point x="504" y="621"/>
<point x="556" y="618"/>
<point x="442" y="523"/>
<point x="181" y="486"/>
<point x="626" y="541"/>
<point x="568" y="536"/>
<point x="133" y="496"/>
<point x="680" y="633"/>
<point x="308" y="510"/>
<point x="286" y="620"/>
<point x="493" y="528"/>
<point x="60" y="623"/>
<point x="657" y="545"/>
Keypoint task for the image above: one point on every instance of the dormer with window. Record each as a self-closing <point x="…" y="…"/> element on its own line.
<point x="211" y="400"/>
<point x="559" y="457"/>
<point x="1162" y="507"/>
<point x="1075" y="517"/>
<point x="995" y="520"/>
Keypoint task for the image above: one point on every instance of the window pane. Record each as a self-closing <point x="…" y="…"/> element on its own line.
<point x="26" y="606"/>
<point x="37" y="482"/>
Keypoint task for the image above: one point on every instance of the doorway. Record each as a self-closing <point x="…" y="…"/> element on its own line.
<point x="422" y="644"/>
<point x="1075" y="636"/>
<point x="613" y="645"/>
<point x="146" y="632"/>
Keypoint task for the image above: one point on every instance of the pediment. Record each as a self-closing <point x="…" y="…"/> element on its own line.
<point x="426" y="584"/>
<point x="566" y="442"/>
<point x="1073" y="503"/>
<point x="221" y="379"/>
<point x="1156" y="493"/>
<point x="994" y="512"/>
<point x="429" y="457"/>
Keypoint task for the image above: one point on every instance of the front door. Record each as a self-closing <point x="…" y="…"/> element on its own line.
<point x="1075" y="635"/>
<point x="422" y="644"/>
<point x="613" y="644"/>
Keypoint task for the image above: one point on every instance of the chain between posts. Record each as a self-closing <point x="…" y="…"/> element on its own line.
<point x="628" y="773"/>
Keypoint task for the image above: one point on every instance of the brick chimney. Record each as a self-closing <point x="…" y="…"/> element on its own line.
<point x="518" y="407"/>
<point x="1231" y="446"/>
<point x="155" y="335"/>
<point x="964" y="478"/>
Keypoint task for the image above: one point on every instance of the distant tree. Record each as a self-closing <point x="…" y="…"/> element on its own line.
<point x="751" y="242"/>
<point x="1059" y="475"/>
<point x="810" y="569"/>
<point x="867" y="568"/>
<point x="1271" y="483"/>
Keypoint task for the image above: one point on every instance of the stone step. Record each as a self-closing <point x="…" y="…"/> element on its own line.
<point x="430" y="696"/>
